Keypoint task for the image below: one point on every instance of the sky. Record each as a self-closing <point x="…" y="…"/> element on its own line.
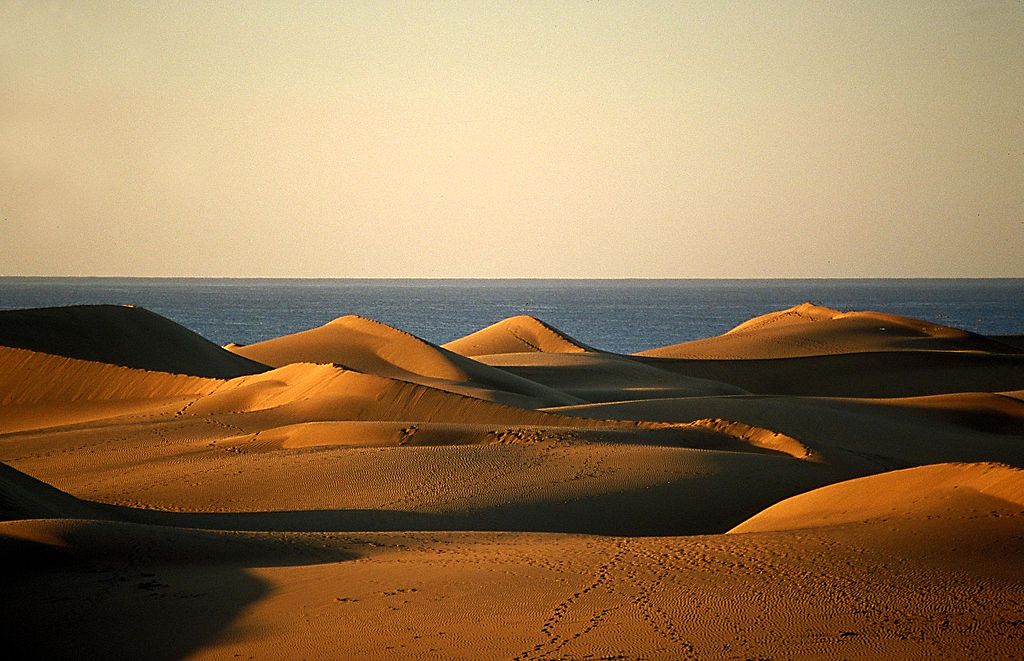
<point x="525" y="139"/>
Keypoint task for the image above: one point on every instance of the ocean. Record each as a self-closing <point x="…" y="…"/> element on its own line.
<point x="617" y="315"/>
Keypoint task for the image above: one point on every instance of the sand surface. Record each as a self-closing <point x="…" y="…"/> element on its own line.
<point x="812" y="484"/>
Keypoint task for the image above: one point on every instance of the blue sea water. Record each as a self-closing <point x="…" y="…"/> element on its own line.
<point x="617" y="315"/>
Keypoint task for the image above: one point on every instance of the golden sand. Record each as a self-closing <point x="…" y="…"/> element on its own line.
<point x="811" y="484"/>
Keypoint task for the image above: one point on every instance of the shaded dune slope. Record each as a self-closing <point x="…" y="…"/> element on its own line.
<point x="705" y="434"/>
<point x="864" y="374"/>
<point x="599" y="376"/>
<point x="873" y="434"/>
<point x="517" y="334"/>
<point x="120" y="335"/>
<point x="1015" y="341"/>
<point x="372" y="347"/>
<point x="812" y="330"/>
<point x="24" y="497"/>
<point x="110" y="540"/>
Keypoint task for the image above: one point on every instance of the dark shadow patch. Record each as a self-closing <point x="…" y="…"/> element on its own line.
<point x="122" y="335"/>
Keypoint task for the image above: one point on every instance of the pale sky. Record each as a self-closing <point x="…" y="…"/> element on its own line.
<point x="589" y="139"/>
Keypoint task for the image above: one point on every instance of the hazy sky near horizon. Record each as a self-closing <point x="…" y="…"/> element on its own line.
<point x="537" y="139"/>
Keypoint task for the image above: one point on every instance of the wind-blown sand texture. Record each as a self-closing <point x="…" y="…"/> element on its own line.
<point x="811" y="484"/>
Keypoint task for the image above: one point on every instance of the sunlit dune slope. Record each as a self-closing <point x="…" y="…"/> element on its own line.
<point x="812" y="330"/>
<point x="317" y="392"/>
<point x="940" y="491"/>
<point x="43" y="390"/>
<point x="31" y="377"/>
<point x="372" y="347"/>
<point x="121" y="335"/>
<point x="300" y="394"/>
<point x="517" y="334"/>
<point x="524" y="480"/>
<point x="51" y="392"/>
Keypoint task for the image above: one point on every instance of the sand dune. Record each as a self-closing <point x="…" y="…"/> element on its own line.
<point x="953" y="491"/>
<point x="375" y="348"/>
<point x="518" y="334"/>
<point x="812" y="350"/>
<point x="346" y="491"/>
<point x="812" y="330"/>
<point x="121" y="335"/>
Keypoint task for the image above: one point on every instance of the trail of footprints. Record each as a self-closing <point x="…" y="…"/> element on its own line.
<point x="620" y="585"/>
<point x="448" y="483"/>
<point x="654" y="615"/>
